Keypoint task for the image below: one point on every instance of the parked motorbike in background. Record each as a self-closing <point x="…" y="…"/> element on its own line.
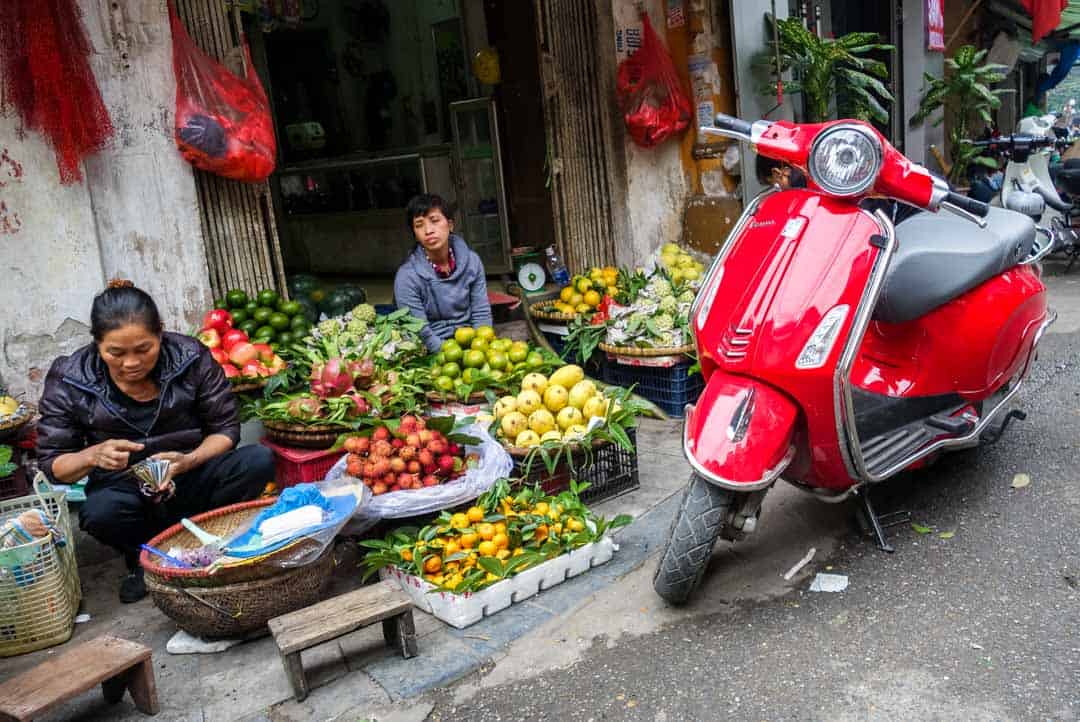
<point x="839" y="349"/>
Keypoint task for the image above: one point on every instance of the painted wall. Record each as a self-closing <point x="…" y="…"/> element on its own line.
<point x="657" y="182"/>
<point x="916" y="61"/>
<point x="135" y="214"/>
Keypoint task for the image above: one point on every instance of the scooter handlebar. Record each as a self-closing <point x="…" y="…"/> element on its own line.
<point x="732" y="124"/>
<point x="972" y="206"/>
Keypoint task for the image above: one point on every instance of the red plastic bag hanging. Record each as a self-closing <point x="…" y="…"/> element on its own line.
<point x="223" y="122"/>
<point x="654" y="104"/>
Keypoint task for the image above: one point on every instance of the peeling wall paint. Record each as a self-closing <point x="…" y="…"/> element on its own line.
<point x="135" y="216"/>
<point x="657" y="185"/>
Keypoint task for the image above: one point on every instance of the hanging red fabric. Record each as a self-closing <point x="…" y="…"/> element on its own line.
<point x="223" y="122"/>
<point x="47" y="82"/>
<point x="1045" y="16"/>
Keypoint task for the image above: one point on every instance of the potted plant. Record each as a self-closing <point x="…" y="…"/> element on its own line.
<point x="825" y="69"/>
<point x="963" y="95"/>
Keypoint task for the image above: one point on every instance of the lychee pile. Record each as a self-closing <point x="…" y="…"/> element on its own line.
<point x="413" y="458"/>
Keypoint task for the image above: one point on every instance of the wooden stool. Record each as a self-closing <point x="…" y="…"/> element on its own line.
<point x="383" y="602"/>
<point x="116" y="664"/>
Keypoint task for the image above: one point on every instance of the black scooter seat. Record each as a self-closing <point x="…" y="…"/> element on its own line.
<point x="941" y="256"/>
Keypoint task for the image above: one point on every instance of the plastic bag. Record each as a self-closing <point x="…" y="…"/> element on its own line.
<point x="223" y="122"/>
<point x="339" y="501"/>
<point x="495" y="463"/>
<point x="655" y="106"/>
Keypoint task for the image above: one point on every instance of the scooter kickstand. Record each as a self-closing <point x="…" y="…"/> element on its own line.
<point x="875" y="523"/>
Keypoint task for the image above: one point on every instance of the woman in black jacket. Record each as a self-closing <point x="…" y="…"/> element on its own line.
<point x="138" y="392"/>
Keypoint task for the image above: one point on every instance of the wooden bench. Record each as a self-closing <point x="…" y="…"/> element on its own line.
<point x="116" y="664"/>
<point x="383" y="602"/>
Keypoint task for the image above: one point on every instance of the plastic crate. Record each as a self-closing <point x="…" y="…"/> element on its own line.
<point x="299" y="466"/>
<point x="610" y="470"/>
<point x="669" y="388"/>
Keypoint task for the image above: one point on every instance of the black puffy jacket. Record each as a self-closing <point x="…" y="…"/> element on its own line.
<point x="79" y="409"/>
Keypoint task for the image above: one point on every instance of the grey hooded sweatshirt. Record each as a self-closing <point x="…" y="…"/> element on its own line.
<point x="445" y="303"/>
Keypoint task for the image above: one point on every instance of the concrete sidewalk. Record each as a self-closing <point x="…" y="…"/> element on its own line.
<point x="356" y="676"/>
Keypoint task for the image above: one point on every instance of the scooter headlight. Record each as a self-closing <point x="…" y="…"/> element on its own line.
<point x="845" y="160"/>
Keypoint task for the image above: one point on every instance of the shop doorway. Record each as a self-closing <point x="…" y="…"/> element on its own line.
<point x="375" y="101"/>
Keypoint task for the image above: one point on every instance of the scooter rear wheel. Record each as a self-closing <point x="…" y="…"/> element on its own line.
<point x="693" y="534"/>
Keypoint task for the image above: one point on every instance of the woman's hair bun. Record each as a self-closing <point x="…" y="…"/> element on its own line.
<point x="120" y="283"/>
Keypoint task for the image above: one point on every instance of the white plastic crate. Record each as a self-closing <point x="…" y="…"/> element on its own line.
<point x="461" y="610"/>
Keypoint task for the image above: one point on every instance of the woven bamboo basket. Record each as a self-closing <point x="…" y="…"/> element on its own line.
<point x="245" y="386"/>
<point x="435" y="397"/>
<point x="10" y="426"/>
<point x="223" y="522"/>
<point x="646" y="352"/>
<point x="233" y="610"/>
<point x="39" y="581"/>
<point x="541" y="310"/>
<point x="320" y="436"/>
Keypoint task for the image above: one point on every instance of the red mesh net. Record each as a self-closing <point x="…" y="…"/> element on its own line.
<point x="46" y="80"/>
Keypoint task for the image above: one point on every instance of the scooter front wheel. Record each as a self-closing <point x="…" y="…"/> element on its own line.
<point x="693" y="534"/>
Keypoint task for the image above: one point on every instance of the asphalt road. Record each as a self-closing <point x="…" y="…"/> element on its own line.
<point x="981" y="624"/>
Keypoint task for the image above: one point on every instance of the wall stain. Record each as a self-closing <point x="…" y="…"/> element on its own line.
<point x="10" y="223"/>
<point x="9" y="168"/>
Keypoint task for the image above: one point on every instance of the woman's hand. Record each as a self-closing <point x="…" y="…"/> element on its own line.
<point x="112" y="455"/>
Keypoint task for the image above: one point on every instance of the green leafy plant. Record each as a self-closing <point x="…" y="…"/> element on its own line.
<point x="963" y="95"/>
<point x="7" y="467"/>
<point x="825" y="69"/>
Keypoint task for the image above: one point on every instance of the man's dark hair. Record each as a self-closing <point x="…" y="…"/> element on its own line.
<point x="423" y="204"/>
<point x="120" y="304"/>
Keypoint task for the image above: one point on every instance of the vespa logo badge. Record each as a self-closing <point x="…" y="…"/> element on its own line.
<point x="762" y="223"/>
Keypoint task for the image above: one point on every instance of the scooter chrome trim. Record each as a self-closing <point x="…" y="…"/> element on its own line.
<point x="843" y="401"/>
<point x="1043" y="252"/>
<point x="764" y="482"/>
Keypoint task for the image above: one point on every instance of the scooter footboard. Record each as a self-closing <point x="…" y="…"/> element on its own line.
<point x="739" y="434"/>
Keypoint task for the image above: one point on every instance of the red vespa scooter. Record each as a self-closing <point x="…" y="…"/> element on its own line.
<point x="840" y="350"/>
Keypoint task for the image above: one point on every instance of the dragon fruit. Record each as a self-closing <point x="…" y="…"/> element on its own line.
<point x="360" y="407"/>
<point x="330" y="379"/>
<point x="363" y="372"/>
<point x="304" y="408"/>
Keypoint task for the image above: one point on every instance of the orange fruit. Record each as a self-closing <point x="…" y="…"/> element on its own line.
<point x="486" y="531"/>
<point x="467" y="541"/>
<point x="541" y="508"/>
<point x="500" y="527"/>
<point x="406" y="555"/>
<point x="487" y="549"/>
<point x="518" y="552"/>
<point x="451" y="547"/>
<point x="433" y="564"/>
<point x="475" y="514"/>
<point x="502" y="554"/>
<point x="459" y="521"/>
<point x="541" y="532"/>
<point x="501" y="541"/>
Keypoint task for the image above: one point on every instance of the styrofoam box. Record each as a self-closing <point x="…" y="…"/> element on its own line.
<point x="461" y="610"/>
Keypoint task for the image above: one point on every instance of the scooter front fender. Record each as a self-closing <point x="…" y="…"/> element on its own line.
<point x="739" y="434"/>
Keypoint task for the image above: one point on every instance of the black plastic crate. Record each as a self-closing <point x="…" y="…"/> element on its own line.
<point x="670" y="388"/>
<point x="610" y="471"/>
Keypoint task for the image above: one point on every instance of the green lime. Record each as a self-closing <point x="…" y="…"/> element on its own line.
<point x="497" y="375"/>
<point x="278" y="321"/>
<point x="264" y="332"/>
<point x="251" y="307"/>
<point x="440" y="358"/>
<point x="284" y="338"/>
<point x="480" y="344"/>
<point x="290" y="308"/>
<point x="451" y="369"/>
<point x="436" y="371"/>
<point x="317" y="295"/>
<point x="262" y="314"/>
<point x="236" y="298"/>
<point x="268" y="298"/>
<point x="299" y="325"/>
<point x="517" y="353"/>
<point x="497" y="360"/>
<point x="221" y="303"/>
<point x="239" y="316"/>
<point x="452" y="353"/>
<point x="464" y="335"/>
<point x="535" y="360"/>
<point x="473" y="359"/>
<point x="468" y="375"/>
<point x="249" y="327"/>
<point x="444" y="383"/>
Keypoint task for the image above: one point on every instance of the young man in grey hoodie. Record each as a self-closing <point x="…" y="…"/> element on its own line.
<point x="442" y="281"/>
